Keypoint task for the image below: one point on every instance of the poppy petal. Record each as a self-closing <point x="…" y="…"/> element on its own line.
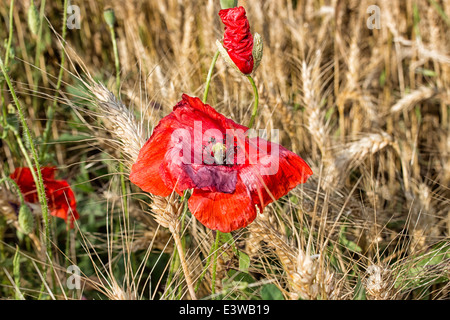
<point x="25" y="181"/>
<point x="61" y="200"/>
<point x="192" y="109"/>
<point x="48" y="173"/>
<point x="263" y="177"/>
<point x="60" y="197"/>
<point x="145" y="172"/>
<point x="223" y="211"/>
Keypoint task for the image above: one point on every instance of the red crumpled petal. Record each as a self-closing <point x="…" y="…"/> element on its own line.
<point x="237" y="38"/>
<point x="273" y="175"/>
<point x="25" y="181"/>
<point x="61" y="200"/>
<point x="223" y="211"/>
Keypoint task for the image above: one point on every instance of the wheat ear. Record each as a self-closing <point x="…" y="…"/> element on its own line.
<point x="167" y="212"/>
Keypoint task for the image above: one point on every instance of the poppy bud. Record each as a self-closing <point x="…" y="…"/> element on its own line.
<point x="257" y="50"/>
<point x="110" y="17"/>
<point x="239" y="48"/>
<point x="226" y="4"/>
<point x="33" y="18"/>
<point x="26" y="219"/>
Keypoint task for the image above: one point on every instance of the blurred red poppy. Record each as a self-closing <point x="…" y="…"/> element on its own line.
<point x="60" y="197"/>
<point x="195" y="147"/>
<point x="237" y="38"/>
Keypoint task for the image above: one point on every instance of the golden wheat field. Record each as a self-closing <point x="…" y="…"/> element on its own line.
<point x="360" y="90"/>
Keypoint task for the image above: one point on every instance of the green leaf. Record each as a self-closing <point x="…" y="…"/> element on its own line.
<point x="16" y="274"/>
<point x="67" y="137"/>
<point x="382" y="79"/>
<point x="416" y="273"/>
<point x="244" y="262"/>
<point x="329" y="113"/>
<point x="350" y="245"/>
<point x="426" y="72"/>
<point x="360" y="291"/>
<point x="237" y="276"/>
<point x="271" y="292"/>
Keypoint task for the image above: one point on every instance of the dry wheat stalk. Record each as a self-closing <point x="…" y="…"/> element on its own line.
<point x="422" y="224"/>
<point x="167" y="212"/>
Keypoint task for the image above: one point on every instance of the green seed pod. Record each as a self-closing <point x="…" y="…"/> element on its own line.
<point x="33" y="18"/>
<point x="226" y="4"/>
<point x="110" y="17"/>
<point x="257" y="50"/>
<point x="26" y="219"/>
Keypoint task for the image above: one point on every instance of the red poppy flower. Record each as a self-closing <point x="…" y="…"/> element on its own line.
<point x="237" y="38"/>
<point x="195" y="147"/>
<point x="60" y="197"/>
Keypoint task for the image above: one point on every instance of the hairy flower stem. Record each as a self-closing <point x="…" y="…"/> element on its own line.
<point x="8" y="44"/>
<point x="51" y="109"/>
<point x="208" y="78"/>
<point x="116" y="58"/>
<point x="255" y="106"/>
<point x="37" y="57"/>
<point x="37" y="176"/>
<point x="8" y="48"/>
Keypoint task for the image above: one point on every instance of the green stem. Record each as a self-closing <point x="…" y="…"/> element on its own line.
<point x="205" y="269"/>
<point x="214" y="270"/>
<point x="8" y="48"/>
<point x="208" y="78"/>
<point x="116" y="58"/>
<point x="38" y="175"/>
<point x="39" y="43"/>
<point x="51" y="109"/>
<point x="256" y="97"/>
<point x="22" y="200"/>
<point x="8" y="45"/>
<point x="175" y="264"/>
<point x="124" y="191"/>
